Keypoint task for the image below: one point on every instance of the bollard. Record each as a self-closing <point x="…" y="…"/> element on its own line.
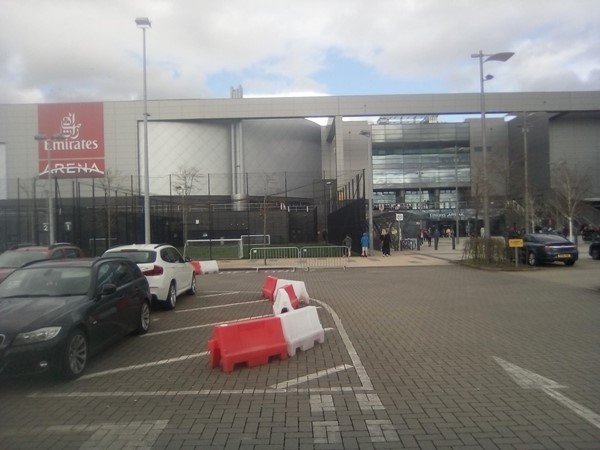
<point x="453" y="243"/>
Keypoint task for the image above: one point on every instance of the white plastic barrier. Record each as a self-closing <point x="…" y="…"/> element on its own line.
<point x="301" y="329"/>
<point x="299" y="289"/>
<point x="283" y="302"/>
<point x="209" y="267"/>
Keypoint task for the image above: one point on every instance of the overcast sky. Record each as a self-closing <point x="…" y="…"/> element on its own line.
<point x="91" y="50"/>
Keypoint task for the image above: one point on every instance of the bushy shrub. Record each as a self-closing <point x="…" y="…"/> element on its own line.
<point x="475" y="251"/>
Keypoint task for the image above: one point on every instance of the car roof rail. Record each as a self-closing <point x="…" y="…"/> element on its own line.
<point x="29" y="263"/>
<point x="60" y="244"/>
<point x="16" y="246"/>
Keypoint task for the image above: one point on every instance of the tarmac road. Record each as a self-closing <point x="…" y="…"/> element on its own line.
<point x="422" y="356"/>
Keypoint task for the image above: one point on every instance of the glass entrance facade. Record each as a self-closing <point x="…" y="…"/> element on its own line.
<point x="420" y="166"/>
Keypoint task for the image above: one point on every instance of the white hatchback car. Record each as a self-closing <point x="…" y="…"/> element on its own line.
<point x="168" y="273"/>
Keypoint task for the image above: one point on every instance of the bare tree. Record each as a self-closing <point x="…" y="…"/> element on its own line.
<point x="570" y="187"/>
<point x="184" y="182"/>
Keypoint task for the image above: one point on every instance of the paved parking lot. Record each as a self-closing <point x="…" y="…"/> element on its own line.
<point x="414" y="357"/>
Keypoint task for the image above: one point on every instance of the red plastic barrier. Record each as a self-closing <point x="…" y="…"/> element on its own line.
<point x="251" y="341"/>
<point x="268" y="289"/>
<point x="197" y="268"/>
<point x="289" y="289"/>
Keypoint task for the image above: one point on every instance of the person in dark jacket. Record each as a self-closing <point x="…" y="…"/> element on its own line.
<point x="386" y="240"/>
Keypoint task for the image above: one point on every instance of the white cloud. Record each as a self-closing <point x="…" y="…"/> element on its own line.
<point x="66" y="50"/>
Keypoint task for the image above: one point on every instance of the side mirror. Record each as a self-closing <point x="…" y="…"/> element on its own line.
<point x="108" y="289"/>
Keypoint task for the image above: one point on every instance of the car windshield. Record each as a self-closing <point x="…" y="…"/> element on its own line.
<point x="11" y="258"/>
<point x="137" y="256"/>
<point x="46" y="282"/>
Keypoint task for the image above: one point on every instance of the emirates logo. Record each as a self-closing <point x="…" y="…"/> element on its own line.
<point x="69" y="126"/>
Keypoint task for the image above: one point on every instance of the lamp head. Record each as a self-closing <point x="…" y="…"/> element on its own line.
<point x="143" y="22"/>
<point x="503" y="56"/>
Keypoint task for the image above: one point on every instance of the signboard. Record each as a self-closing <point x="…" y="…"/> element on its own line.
<point x="515" y="243"/>
<point x="74" y="143"/>
<point x="399" y="217"/>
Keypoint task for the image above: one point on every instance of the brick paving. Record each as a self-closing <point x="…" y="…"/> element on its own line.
<point x="408" y="362"/>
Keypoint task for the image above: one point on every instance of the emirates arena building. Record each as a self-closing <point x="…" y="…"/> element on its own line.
<point x="225" y="168"/>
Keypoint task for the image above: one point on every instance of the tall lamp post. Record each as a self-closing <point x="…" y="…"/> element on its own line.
<point x="144" y="23"/>
<point x="369" y="191"/>
<point x="48" y="149"/>
<point x="502" y="57"/>
<point x="457" y="210"/>
<point x="420" y="173"/>
<point x="526" y="171"/>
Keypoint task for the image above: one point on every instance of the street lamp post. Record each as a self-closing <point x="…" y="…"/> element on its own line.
<point x="369" y="191"/>
<point x="502" y="57"/>
<point x="419" y="173"/>
<point x="51" y="219"/>
<point x="144" y="23"/>
<point x="182" y="191"/>
<point x="457" y="210"/>
<point x="526" y="171"/>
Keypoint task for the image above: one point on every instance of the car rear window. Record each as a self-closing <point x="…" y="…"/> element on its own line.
<point x="137" y="256"/>
<point x="551" y="239"/>
<point x="12" y="258"/>
<point x="46" y="281"/>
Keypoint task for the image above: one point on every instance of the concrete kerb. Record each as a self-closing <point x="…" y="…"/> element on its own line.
<point x="427" y="256"/>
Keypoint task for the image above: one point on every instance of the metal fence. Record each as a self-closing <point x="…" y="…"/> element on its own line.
<point x="97" y="213"/>
<point x="307" y="258"/>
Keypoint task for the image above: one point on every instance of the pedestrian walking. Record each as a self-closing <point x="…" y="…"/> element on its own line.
<point x="436" y="238"/>
<point x="348" y="244"/>
<point x="364" y="243"/>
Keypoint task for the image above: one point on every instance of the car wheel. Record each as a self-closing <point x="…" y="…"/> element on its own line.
<point x="595" y="253"/>
<point x="569" y="263"/>
<point x="531" y="259"/>
<point x="143" y="319"/>
<point x="192" y="289"/>
<point x="74" y="355"/>
<point x="172" y="296"/>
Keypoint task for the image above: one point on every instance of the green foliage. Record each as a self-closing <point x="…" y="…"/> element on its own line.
<point x="489" y="251"/>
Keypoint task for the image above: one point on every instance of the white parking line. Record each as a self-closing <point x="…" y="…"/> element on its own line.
<point x="312" y="376"/>
<point x="218" y="306"/>
<point x="143" y="366"/>
<point x="194" y="327"/>
<point x="356" y="362"/>
<point x="203" y="392"/>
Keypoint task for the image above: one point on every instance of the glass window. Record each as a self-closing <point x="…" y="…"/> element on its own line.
<point x="123" y="274"/>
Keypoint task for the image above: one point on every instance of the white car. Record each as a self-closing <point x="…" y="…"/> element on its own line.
<point x="168" y="273"/>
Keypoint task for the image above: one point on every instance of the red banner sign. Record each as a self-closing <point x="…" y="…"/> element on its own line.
<point x="71" y="140"/>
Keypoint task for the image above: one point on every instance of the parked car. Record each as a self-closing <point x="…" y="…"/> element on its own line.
<point x="539" y="248"/>
<point x="22" y="254"/>
<point x="595" y="249"/>
<point x="55" y="314"/>
<point x="168" y="273"/>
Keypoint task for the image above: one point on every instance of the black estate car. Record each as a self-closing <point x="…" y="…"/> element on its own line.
<point x="55" y="314"/>
<point x="539" y="248"/>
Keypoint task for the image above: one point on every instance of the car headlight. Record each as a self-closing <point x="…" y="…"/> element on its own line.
<point x="40" y="335"/>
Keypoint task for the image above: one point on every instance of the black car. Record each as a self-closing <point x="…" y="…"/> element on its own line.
<point x="56" y="314"/>
<point x="595" y="249"/>
<point x="539" y="248"/>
